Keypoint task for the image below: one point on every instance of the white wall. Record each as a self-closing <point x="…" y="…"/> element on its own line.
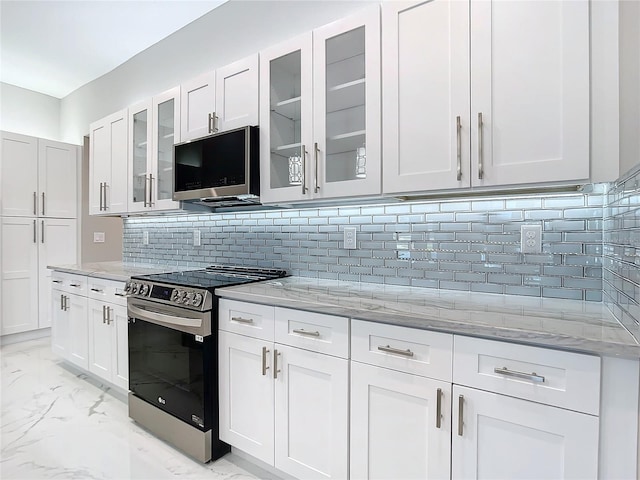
<point x="232" y="31"/>
<point x="629" y="84"/>
<point x="30" y="113"/>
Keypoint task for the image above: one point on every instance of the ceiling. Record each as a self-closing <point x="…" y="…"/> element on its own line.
<point x="54" y="47"/>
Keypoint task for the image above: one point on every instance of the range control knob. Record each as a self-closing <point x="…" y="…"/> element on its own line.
<point x="188" y="298"/>
<point x="197" y="300"/>
<point x="180" y="294"/>
<point x="135" y="288"/>
<point x="144" y="289"/>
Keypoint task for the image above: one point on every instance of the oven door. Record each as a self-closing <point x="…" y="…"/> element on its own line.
<point x="172" y="360"/>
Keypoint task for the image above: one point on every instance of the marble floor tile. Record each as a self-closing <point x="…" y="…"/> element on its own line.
<point x="56" y="422"/>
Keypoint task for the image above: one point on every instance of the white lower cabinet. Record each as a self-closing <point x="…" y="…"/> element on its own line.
<point x="284" y="405"/>
<point x="508" y="438"/>
<point x="400" y="425"/>
<point x="69" y="329"/>
<point x="108" y="356"/>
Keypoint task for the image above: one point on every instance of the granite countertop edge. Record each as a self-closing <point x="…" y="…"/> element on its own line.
<point x="113" y="270"/>
<point x="538" y="338"/>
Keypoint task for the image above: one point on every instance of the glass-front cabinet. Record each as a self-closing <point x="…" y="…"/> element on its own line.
<point x="321" y="118"/>
<point x="154" y="127"/>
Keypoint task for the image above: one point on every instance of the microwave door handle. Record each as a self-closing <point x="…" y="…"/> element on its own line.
<point x="143" y="313"/>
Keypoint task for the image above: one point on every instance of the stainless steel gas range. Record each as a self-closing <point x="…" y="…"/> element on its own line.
<point x="173" y="354"/>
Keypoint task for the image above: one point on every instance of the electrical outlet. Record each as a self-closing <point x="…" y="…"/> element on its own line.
<point x="196" y="238"/>
<point x="350" y="238"/>
<point x="531" y="238"/>
<point x="145" y="238"/>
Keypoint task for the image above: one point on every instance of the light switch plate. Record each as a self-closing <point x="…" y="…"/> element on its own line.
<point x="531" y="238"/>
<point x="98" y="237"/>
<point x="350" y="238"/>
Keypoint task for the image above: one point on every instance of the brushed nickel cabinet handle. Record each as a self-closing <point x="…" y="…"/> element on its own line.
<point x="104" y="315"/>
<point x="109" y="319"/>
<point x="97" y="290"/>
<point x="210" y="123"/>
<point x="316" y="149"/>
<point x="56" y="281"/>
<point x="275" y="364"/>
<point x="42" y="203"/>
<point x="100" y="196"/>
<point x="35" y="234"/>
<point x="302" y="331"/>
<point x="66" y="303"/>
<point x="438" y="408"/>
<point x="389" y="349"/>
<point x="151" y="190"/>
<point x="460" y="414"/>
<point x="42" y="232"/>
<point x="513" y="373"/>
<point x="242" y="320"/>
<point x="458" y="148"/>
<point x="215" y="123"/>
<point x="74" y="285"/>
<point x="104" y="191"/>
<point x="480" y="159"/>
<point x="118" y="294"/>
<point x="146" y="192"/>
<point x="304" y="170"/>
<point x="264" y="361"/>
<point x="35" y="203"/>
<point x="61" y="302"/>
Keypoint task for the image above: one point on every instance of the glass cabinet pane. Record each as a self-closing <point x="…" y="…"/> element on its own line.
<point x="345" y="107"/>
<point x="140" y="147"/>
<point x="165" y="149"/>
<point x="285" y="121"/>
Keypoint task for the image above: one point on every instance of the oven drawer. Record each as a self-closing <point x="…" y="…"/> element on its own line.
<point x="317" y="332"/>
<point x="69" y="282"/>
<point x="251" y="319"/>
<point x="564" y="379"/>
<point x="107" y="290"/>
<point x="409" y="350"/>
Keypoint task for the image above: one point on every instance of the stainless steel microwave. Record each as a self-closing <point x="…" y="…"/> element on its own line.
<point x="218" y="167"/>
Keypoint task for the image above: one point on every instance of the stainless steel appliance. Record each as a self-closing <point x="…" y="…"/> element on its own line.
<point x="218" y="169"/>
<point x="173" y="354"/>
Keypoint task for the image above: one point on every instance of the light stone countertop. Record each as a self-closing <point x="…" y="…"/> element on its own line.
<point x="586" y="327"/>
<point x="115" y="270"/>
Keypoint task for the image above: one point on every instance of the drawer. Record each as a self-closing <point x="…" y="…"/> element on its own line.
<point x="251" y="319"/>
<point x="110" y="291"/>
<point x="564" y="379"/>
<point x="410" y="350"/>
<point x="317" y="332"/>
<point x="69" y="282"/>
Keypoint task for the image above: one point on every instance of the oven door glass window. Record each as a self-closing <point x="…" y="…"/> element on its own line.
<point x="171" y="370"/>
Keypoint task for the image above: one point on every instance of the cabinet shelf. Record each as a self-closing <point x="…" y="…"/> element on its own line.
<point x="288" y="147"/>
<point x="289" y="108"/>
<point x="346" y="95"/>
<point x="345" y="142"/>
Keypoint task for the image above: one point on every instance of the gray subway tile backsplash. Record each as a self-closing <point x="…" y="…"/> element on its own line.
<point x="470" y="245"/>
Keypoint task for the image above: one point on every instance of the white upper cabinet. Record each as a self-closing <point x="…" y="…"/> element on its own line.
<point x="475" y="96"/>
<point x="154" y="127"/>
<point x="220" y="100"/>
<point x="39" y="177"/>
<point x="320" y="111"/>
<point x="108" y="165"/>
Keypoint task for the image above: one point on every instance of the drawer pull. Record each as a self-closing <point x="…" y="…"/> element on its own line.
<point x="302" y="331"/>
<point x="275" y="364"/>
<point x="264" y="360"/>
<point x="389" y="349"/>
<point x="74" y="285"/>
<point x="512" y="373"/>
<point x="242" y="320"/>
<point x="56" y="281"/>
<point x="96" y="290"/>
<point x="118" y="294"/>
<point x="438" y="408"/>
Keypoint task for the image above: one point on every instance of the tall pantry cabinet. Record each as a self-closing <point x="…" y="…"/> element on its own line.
<point x="38" y="219"/>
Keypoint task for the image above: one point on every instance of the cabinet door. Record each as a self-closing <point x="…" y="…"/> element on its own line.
<point x="118" y="318"/>
<point x="101" y="340"/>
<point x="532" y="91"/>
<point x="59" y="324"/>
<point x="116" y="190"/>
<point x="346" y="109"/>
<point x="237" y="94"/>
<point x="197" y="106"/>
<point x="79" y="331"/>
<point x="312" y="414"/>
<point x="139" y="165"/>
<point x="19" y="276"/>
<point x="57" y="179"/>
<point x="394" y="431"/>
<point x="286" y="121"/>
<point x="504" y="438"/>
<point x="19" y="175"/>
<point x="57" y="245"/>
<point x="166" y="132"/>
<point x="99" y="165"/>
<point x="425" y="63"/>
<point x="245" y="378"/>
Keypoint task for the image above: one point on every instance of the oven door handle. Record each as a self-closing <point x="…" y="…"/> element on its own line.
<point x="143" y="313"/>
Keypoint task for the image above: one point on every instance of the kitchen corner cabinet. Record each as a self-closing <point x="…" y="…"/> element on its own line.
<point x="28" y="245"/>
<point x="39" y="177"/>
<point x="154" y="127"/>
<point x="474" y="96"/>
<point x="284" y="374"/>
<point x="108" y="160"/>
<point x="320" y="113"/>
<point x="220" y="100"/>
